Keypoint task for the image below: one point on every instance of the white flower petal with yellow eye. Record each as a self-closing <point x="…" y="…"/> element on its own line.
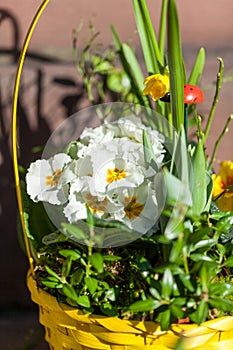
<point x="82" y="196"/>
<point x="45" y="181"/>
<point x="130" y="127"/>
<point x="119" y="161"/>
<point x="140" y="208"/>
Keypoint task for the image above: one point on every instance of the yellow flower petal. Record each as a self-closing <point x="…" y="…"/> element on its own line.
<point x="157" y="85"/>
<point x="222" y="182"/>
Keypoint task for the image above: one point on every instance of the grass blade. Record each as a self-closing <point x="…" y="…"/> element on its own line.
<point x="135" y="75"/>
<point x="146" y="43"/>
<point x="197" y="68"/>
<point x="176" y="66"/>
<point x="162" y="29"/>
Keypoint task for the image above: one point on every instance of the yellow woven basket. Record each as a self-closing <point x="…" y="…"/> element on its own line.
<point x="67" y="328"/>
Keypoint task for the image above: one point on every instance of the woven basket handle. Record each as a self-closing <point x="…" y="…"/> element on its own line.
<point x="14" y="127"/>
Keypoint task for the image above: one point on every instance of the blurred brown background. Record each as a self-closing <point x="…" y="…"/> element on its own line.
<point x="51" y="91"/>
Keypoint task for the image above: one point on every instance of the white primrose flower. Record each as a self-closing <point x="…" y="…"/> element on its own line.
<point x="97" y="135"/>
<point x="138" y="209"/>
<point x="119" y="163"/>
<point x="82" y="196"/>
<point x="130" y="127"/>
<point x="48" y="181"/>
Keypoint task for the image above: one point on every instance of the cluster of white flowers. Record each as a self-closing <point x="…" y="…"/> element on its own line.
<point x="109" y="175"/>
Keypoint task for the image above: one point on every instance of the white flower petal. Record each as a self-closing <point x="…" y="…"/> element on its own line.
<point x="45" y="182"/>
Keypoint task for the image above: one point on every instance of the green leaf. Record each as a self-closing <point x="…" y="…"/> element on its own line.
<point x="73" y="232"/>
<point x="52" y="282"/>
<point x="176" y="66"/>
<point x="51" y="272"/>
<point x="201" y="313"/>
<point x="176" y="249"/>
<point x="155" y="293"/>
<point x="72" y="149"/>
<point x="77" y="276"/>
<point x="162" y="28"/>
<point x="96" y="260"/>
<point x="144" y="100"/>
<point x="83" y="300"/>
<point x="149" y="155"/>
<point x="221" y="304"/>
<point x="110" y="294"/>
<point x="167" y="284"/>
<point x="176" y="311"/>
<point x="134" y="66"/>
<point x="73" y="253"/>
<point x="91" y="283"/>
<point x="200" y="257"/>
<point x="177" y="190"/>
<point x="187" y="282"/>
<point x="197" y="68"/>
<point x="228" y="262"/>
<point x="198" y="180"/>
<point x="111" y="257"/>
<point x="148" y="40"/>
<point x="209" y="192"/>
<point x="144" y="305"/>
<point x="66" y="267"/>
<point x="90" y="218"/>
<point x="204" y="245"/>
<point x="69" y="292"/>
<point x="221" y="289"/>
<point x="53" y="237"/>
<point x="225" y="224"/>
<point x="108" y="309"/>
<point x="118" y="81"/>
<point x="165" y="319"/>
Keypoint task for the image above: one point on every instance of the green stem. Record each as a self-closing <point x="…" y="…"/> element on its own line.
<point x="228" y="189"/>
<point x="88" y="266"/>
<point x="224" y="131"/>
<point x="186" y="122"/>
<point x="215" y="101"/>
<point x="186" y="266"/>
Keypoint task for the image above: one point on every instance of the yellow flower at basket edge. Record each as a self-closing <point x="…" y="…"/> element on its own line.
<point x="157" y="85"/>
<point x="222" y="182"/>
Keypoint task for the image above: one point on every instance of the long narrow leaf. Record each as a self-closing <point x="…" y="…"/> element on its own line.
<point x="151" y="33"/>
<point x="134" y="66"/>
<point x="197" y="68"/>
<point x="162" y="29"/>
<point x="142" y="26"/>
<point x="125" y="61"/>
<point x="199" y="195"/>
<point x="176" y="66"/>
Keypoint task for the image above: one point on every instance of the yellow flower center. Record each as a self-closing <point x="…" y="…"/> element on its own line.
<point x="133" y="208"/>
<point x="95" y="205"/>
<point x="52" y="180"/>
<point x="115" y="175"/>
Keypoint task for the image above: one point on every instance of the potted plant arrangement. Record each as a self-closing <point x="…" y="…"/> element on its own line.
<point x="127" y="228"/>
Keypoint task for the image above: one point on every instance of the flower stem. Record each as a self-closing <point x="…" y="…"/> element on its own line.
<point x="224" y="131"/>
<point x="228" y="189"/>
<point x="215" y="101"/>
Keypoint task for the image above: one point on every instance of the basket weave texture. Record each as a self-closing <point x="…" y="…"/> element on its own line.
<point x="68" y="328"/>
